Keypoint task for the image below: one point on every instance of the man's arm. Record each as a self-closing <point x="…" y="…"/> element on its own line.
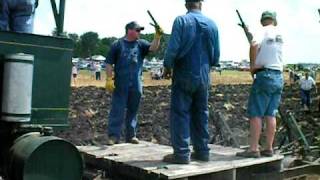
<point x="109" y="70"/>
<point x="173" y="45"/>
<point x="111" y="59"/>
<point x="155" y="44"/>
<point x="315" y="85"/>
<point x="253" y="55"/>
<point x="216" y="56"/>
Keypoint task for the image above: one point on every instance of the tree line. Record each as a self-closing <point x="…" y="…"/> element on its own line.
<point x="90" y="43"/>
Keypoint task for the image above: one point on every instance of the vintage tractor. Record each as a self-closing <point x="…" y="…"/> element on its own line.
<point x="34" y="99"/>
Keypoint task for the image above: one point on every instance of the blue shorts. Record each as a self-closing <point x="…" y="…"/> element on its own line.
<point x="265" y="94"/>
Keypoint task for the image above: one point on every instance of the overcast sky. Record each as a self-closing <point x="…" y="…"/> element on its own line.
<point x="298" y="20"/>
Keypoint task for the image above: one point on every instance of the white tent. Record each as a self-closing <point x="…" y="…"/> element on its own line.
<point x="98" y="58"/>
<point x="75" y="60"/>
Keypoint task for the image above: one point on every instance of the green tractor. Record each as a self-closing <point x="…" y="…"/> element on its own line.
<point x="35" y="87"/>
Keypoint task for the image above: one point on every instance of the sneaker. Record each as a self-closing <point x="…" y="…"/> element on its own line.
<point x="267" y="153"/>
<point x="133" y="140"/>
<point x="171" y="158"/>
<point x="112" y="140"/>
<point x="249" y="154"/>
<point x="200" y="157"/>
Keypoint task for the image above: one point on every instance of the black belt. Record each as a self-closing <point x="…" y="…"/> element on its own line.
<point x="266" y="69"/>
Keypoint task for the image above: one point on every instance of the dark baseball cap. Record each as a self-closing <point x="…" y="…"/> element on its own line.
<point x="134" y="25"/>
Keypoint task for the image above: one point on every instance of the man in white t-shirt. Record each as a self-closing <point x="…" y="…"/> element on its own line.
<point x="74" y="74"/>
<point x="97" y="69"/>
<point x="306" y="85"/>
<point x="266" y="66"/>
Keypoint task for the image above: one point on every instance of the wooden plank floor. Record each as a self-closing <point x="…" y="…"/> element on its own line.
<point x="145" y="160"/>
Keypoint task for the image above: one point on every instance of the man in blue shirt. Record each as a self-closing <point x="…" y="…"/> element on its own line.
<point x="17" y="15"/>
<point x="192" y="50"/>
<point x="125" y="59"/>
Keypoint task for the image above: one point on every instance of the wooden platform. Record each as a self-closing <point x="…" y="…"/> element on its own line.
<point x="144" y="161"/>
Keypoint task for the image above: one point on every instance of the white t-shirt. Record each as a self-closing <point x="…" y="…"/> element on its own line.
<point x="306" y="84"/>
<point x="97" y="68"/>
<point x="270" y="48"/>
<point x="74" y="70"/>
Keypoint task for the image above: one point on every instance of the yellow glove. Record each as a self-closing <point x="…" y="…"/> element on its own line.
<point x="159" y="32"/>
<point x="110" y="84"/>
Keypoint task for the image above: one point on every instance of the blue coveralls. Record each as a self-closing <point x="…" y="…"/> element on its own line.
<point x="17" y="15"/>
<point x="193" y="48"/>
<point x="127" y="58"/>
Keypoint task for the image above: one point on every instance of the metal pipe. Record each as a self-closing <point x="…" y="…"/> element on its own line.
<point x="59" y="16"/>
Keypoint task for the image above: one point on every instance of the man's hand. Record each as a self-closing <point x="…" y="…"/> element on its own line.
<point x="159" y="31"/>
<point x="253" y="71"/>
<point x="167" y="73"/>
<point x="110" y="84"/>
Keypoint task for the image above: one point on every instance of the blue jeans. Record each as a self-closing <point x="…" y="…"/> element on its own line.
<point x="305" y="97"/>
<point x="189" y="118"/>
<point x="17" y="15"/>
<point x="125" y="101"/>
<point x="265" y="94"/>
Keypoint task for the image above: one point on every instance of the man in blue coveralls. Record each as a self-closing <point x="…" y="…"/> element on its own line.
<point x="192" y="50"/>
<point x="127" y="55"/>
<point x="17" y="15"/>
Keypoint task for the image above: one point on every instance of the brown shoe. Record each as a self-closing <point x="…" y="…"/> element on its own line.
<point x="200" y="157"/>
<point x="112" y="140"/>
<point x="134" y="140"/>
<point x="249" y="154"/>
<point x="171" y="158"/>
<point x="267" y="153"/>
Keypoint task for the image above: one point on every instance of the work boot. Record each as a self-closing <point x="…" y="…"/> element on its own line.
<point x="133" y="140"/>
<point x="249" y="154"/>
<point x="112" y="140"/>
<point x="200" y="157"/>
<point x="171" y="158"/>
<point x="267" y="153"/>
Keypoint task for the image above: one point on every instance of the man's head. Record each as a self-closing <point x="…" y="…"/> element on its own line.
<point x="268" y="18"/>
<point x="307" y="75"/>
<point x="193" y="4"/>
<point x="133" y="30"/>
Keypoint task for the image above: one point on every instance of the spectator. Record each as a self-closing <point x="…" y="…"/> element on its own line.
<point x="291" y="76"/>
<point x="306" y="85"/>
<point x="74" y="74"/>
<point x="97" y="70"/>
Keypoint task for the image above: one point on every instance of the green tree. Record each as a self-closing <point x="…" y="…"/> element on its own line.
<point x="164" y="42"/>
<point x="74" y="37"/>
<point x="104" y="45"/>
<point x="77" y="46"/>
<point x="89" y="43"/>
